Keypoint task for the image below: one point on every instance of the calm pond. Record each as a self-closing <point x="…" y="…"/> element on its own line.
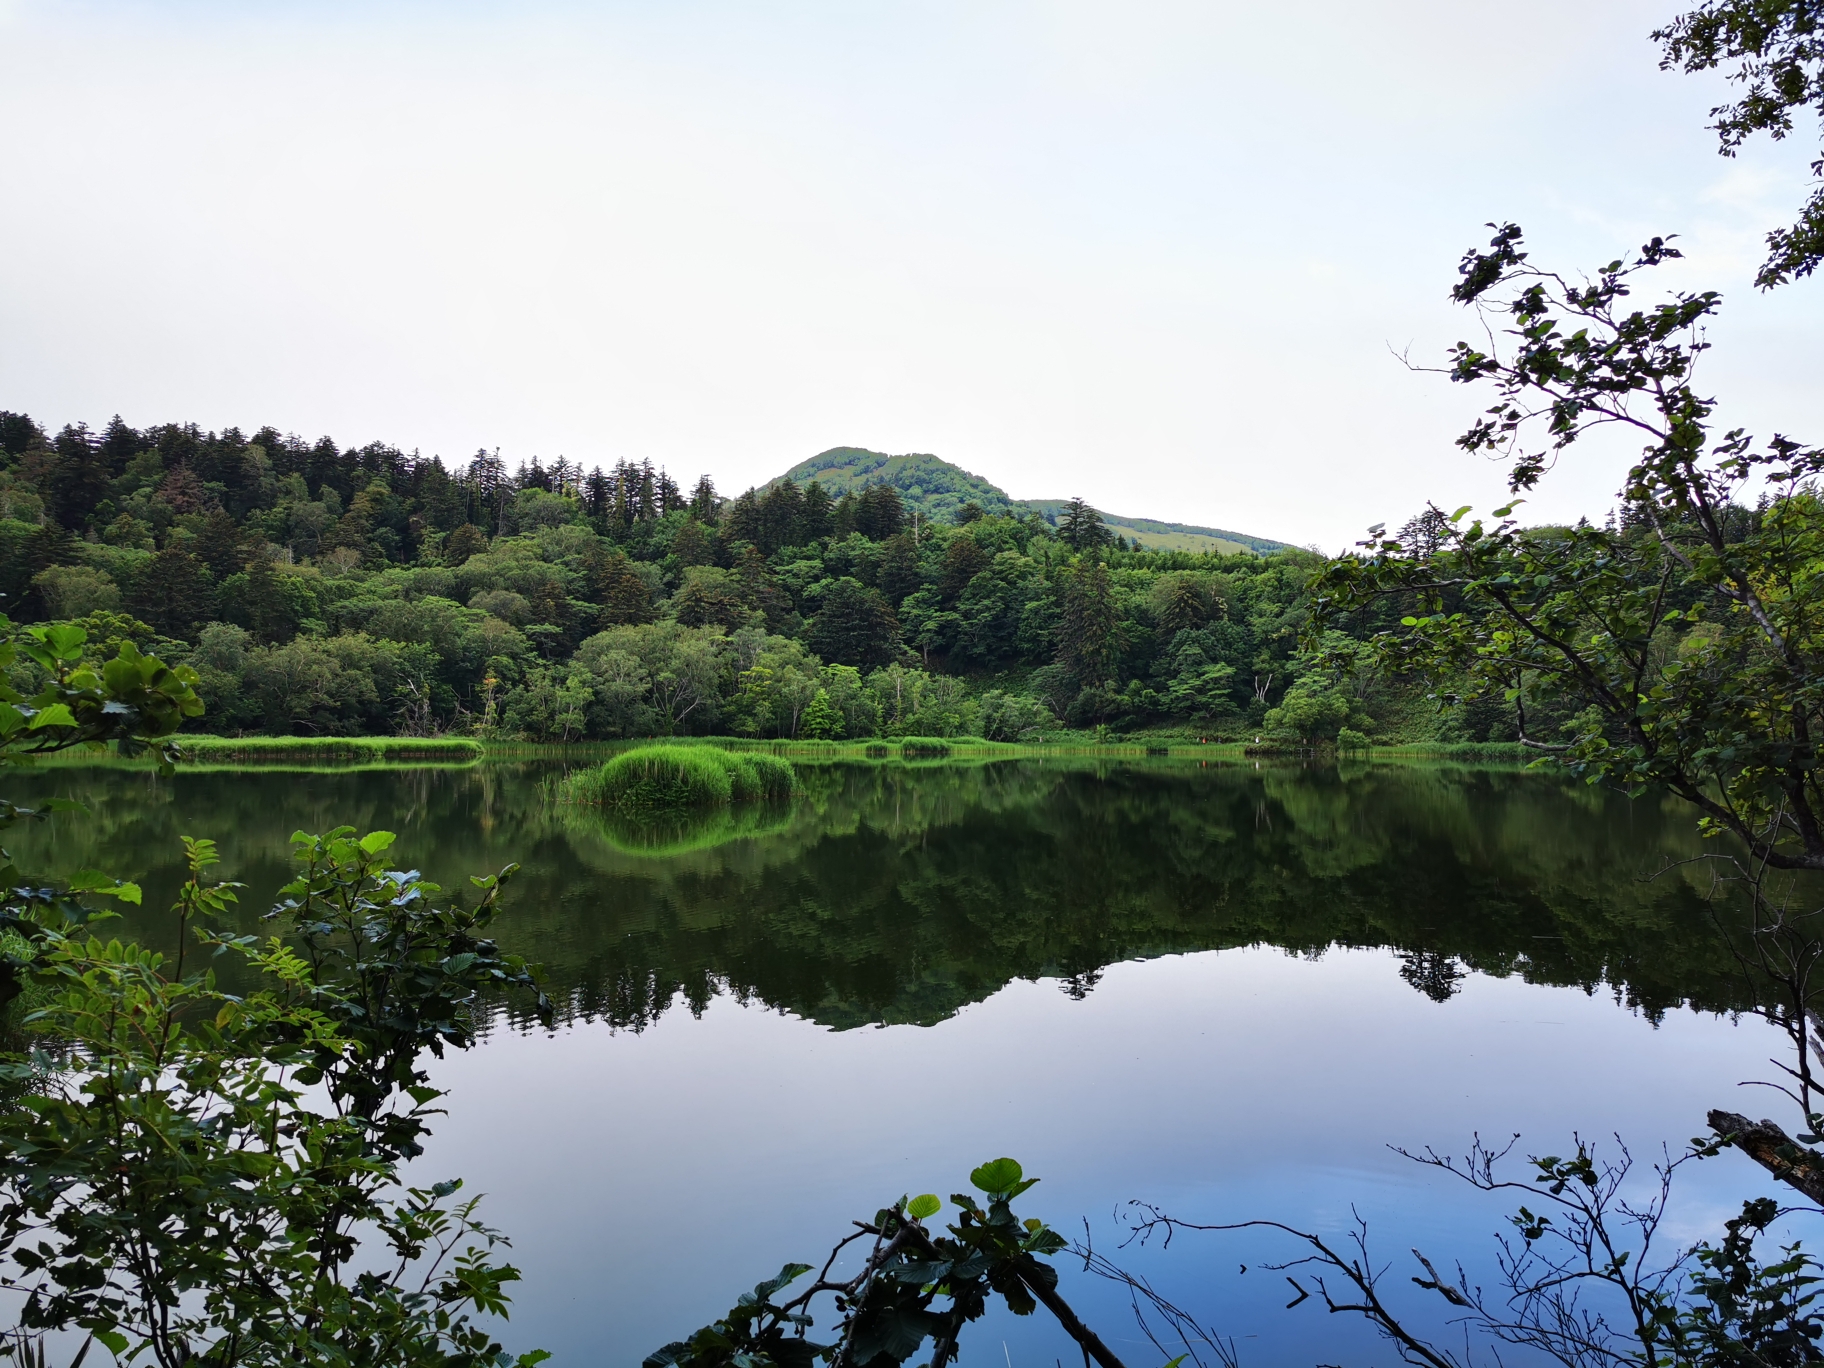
<point x="1224" y="989"/>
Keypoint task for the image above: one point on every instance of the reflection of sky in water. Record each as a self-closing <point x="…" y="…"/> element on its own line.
<point x="647" y="1179"/>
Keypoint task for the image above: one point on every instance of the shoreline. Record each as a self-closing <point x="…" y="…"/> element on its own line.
<point x="350" y="753"/>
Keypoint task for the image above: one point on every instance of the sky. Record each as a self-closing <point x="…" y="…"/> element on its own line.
<point x="1165" y="256"/>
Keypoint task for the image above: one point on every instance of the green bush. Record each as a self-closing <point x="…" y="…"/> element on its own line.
<point x="1349" y="739"/>
<point x="1014" y="717"/>
<point x="675" y="778"/>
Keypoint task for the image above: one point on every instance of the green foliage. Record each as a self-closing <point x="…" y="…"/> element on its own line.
<point x="1310" y="712"/>
<point x="1081" y="527"/>
<point x="129" y="700"/>
<point x="132" y="700"/>
<point x="1743" y="1310"/>
<point x="915" y="1286"/>
<point x="1682" y="648"/>
<point x="320" y="592"/>
<point x="1777" y="51"/>
<point x="821" y="721"/>
<point x="190" y="1175"/>
<point x="1014" y="717"/>
<point x="854" y="626"/>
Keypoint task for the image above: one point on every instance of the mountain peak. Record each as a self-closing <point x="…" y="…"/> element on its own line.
<point x="937" y="488"/>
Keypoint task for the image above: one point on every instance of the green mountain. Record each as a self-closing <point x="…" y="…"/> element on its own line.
<point x="937" y="489"/>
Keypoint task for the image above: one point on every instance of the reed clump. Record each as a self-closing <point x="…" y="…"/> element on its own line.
<point x="664" y="779"/>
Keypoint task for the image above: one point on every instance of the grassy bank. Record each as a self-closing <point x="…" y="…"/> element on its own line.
<point x="876" y="748"/>
<point x="303" y="753"/>
<point x="346" y="749"/>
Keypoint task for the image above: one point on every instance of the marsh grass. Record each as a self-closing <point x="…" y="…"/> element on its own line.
<point x="672" y="779"/>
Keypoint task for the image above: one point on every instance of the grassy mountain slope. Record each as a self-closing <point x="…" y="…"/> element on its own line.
<point x="936" y="488"/>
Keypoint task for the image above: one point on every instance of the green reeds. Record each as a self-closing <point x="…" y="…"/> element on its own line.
<point x="344" y="749"/>
<point x="664" y="779"/>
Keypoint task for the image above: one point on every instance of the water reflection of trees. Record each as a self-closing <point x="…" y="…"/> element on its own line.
<point x="897" y="894"/>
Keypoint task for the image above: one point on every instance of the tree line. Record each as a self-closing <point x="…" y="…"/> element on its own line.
<point x="330" y="591"/>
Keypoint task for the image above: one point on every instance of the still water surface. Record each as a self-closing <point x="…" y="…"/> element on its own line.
<point x="1223" y="989"/>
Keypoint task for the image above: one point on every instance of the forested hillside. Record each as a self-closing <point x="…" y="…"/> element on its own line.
<point x="318" y="590"/>
<point x="936" y="489"/>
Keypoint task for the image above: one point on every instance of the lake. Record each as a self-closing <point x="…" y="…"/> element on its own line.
<point x="1222" y="988"/>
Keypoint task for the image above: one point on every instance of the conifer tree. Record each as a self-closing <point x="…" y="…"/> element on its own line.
<point x="621" y="521"/>
<point x="879" y="514"/>
<point x="692" y="545"/>
<point x="814" y="517"/>
<point x="119" y="444"/>
<point x="964" y="559"/>
<point x="218" y="544"/>
<point x="464" y="542"/>
<point x="1081" y="527"/>
<point x="173" y="593"/>
<point x="79" y="480"/>
<point x="260" y="602"/>
<point x="762" y="589"/>
<point x="779" y="516"/>
<point x="843" y="517"/>
<point x="855" y="626"/>
<point x="49" y="544"/>
<point x="705" y="507"/>
<point x="324" y="466"/>
<point x="1182" y="606"/>
<point x="486" y="483"/>
<point x="598" y="498"/>
<point x="18" y="433"/>
<point x="648" y="492"/>
<point x="670" y="499"/>
<point x="1087" y="633"/>
<point x="743" y="521"/>
<point x="616" y="586"/>
<point x="899" y="573"/>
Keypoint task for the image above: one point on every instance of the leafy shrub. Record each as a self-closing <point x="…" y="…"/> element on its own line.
<point x="1310" y="711"/>
<point x="1349" y="739"/>
<point x="1014" y="717"/>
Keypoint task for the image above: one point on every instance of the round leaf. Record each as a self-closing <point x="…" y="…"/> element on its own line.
<point x="997" y="1175"/>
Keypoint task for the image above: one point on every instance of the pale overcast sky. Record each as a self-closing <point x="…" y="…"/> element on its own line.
<point x="1150" y="253"/>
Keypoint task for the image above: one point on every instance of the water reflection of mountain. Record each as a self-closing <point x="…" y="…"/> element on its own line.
<point x="894" y="893"/>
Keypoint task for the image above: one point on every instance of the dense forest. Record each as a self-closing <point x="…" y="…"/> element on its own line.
<point x="324" y="591"/>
